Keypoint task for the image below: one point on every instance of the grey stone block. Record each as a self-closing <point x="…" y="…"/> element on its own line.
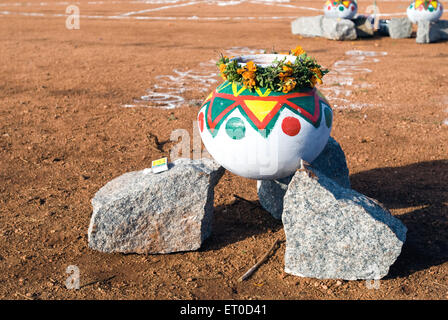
<point x="337" y="233"/>
<point x="429" y="32"/>
<point x="308" y="26"/>
<point x="320" y="26"/>
<point x="400" y="28"/>
<point x="338" y="29"/>
<point x="331" y="162"/>
<point x="144" y="212"/>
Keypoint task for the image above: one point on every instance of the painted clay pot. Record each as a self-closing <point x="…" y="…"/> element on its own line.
<point x="340" y="9"/>
<point x="263" y="134"/>
<point x="421" y="10"/>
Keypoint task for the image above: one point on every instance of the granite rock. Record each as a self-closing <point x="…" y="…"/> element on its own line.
<point x="400" y="28"/>
<point x="271" y="193"/>
<point x="308" y="26"/>
<point x="364" y="28"/>
<point x="338" y="29"/>
<point x="331" y="162"/>
<point x="429" y="32"/>
<point x="337" y="233"/>
<point x="144" y="212"/>
<point x="320" y="26"/>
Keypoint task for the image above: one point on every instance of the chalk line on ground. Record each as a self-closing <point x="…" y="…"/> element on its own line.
<point x="341" y="78"/>
<point x="170" y="90"/>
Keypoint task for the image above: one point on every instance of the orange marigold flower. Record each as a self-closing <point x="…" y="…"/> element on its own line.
<point x="250" y="83"/>
<point x="287" y="69"/>
<point x="248" y="71"/>
<point x="289" y="85"/>
<point x="287" y="72"/>
<point x="249" y="75"/>
<point x="222" y="67"/>
<point x="298" y="51"/>
<point x="317" y="72"/>
<point x="315" y="80"/>
<point x="250" y="66"/>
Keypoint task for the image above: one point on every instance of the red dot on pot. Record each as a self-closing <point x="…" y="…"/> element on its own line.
<point x="201" y="121"/>
<point x="291" y="126"/>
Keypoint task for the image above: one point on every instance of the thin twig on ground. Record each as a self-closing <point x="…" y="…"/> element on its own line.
<point x="24" y="296"/>
<point x="259" y="263"/>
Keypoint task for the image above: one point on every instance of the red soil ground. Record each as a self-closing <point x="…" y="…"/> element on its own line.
<point x="64" y="133"/>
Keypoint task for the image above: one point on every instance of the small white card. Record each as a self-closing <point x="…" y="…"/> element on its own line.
<point x="160" y="165"/>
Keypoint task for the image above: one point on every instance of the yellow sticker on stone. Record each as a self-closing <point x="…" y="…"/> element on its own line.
<point x="160" y="165"/>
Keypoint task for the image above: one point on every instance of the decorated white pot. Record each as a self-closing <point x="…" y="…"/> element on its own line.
<point x="422" y="10"/>
<point x="340" y="9"/>
<point x="263" y="134"/>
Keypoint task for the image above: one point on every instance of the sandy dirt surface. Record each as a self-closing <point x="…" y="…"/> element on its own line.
<point x="80" y="107"/>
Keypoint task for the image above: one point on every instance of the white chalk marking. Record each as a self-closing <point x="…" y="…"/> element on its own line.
<point x="161" y="8"/>
<point x="121" y="17"/>
<point x="170" y="90"/>
<point x="169" y="4"/>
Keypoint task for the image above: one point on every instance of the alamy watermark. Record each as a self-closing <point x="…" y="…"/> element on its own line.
<point x="374" y="282"/>
<point x="263" y="155"/>
<point x="373" y="16"/>
<point x="73" y="280"/>
<point x="72" y="22"/>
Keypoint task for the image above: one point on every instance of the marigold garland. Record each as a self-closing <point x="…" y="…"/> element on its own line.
<point x="281" y="76"/>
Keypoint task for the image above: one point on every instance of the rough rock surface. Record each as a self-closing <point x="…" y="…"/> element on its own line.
<point x="144" y="212"/>
<point x="271" y="193"/>
<point x="429" y="32"/>
<point x="331" y="162"/>
<point x="364" y="28"/>
<point x="400" y="28"/>
<point x="320" y="26"/>
<point x="339" y="29"/>
<point x="308" y="26"/>
<point x="383" y="27"/>
<point x="337" y="233"/>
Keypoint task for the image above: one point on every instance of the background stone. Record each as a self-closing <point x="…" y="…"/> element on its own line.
<point x="167" y="212"/>
<point x="338" y="29"/>
<point x="429" y="32"/>
<point x="363" y="27"/>
<point x="400" y="28"/>
<point x="308" y="26"/>
<point x="337" y="233"/>
<point x="320" y="26"/>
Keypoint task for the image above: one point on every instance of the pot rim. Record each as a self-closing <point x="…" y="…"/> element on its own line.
<point x="263" y="60"/>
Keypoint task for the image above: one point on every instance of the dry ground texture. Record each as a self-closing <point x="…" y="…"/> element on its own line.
<point x="72" y="117"/>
